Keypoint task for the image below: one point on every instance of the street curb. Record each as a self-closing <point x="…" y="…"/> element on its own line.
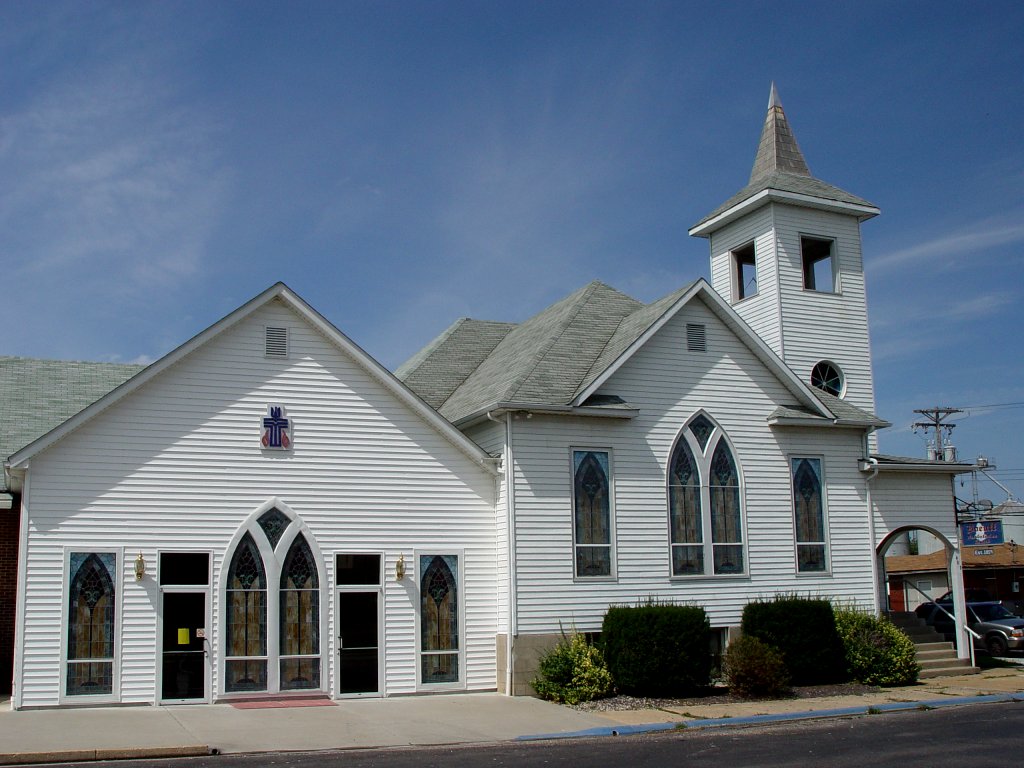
<point x="89" y="755"/>
<point x="813" y="714"/>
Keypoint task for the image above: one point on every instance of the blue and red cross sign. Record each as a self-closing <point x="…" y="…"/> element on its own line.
<point x="276" y="429"/>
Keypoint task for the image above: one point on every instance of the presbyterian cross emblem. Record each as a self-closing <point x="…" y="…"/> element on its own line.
<point x="276" y="429"/>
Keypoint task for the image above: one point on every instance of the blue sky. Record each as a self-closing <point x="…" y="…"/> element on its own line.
<point x="403" y="164"/>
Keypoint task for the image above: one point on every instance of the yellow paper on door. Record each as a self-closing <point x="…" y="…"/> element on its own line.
<point x="183" y="636"/>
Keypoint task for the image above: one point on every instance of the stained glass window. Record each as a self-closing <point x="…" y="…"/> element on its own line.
<point x="702" y="427"/>
<point x="685" y="512"/>
<point x="300" y="619"/>
<point x="273" y="522"/>
<point x="246" y="665"/>
<point x="592" y="513"/>
<point x="724" y="492"/>
<point x="90" y="657"/>
<point x="439" y="619"/>
<point x="810" y="515"/>
<point x="705" y="510"/>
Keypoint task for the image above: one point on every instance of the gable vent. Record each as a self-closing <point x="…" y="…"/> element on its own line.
<point x="696" y="340"/>
<point x="277" y="342"/>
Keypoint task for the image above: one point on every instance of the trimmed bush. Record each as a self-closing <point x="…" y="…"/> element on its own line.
<point x="877" y="653"/>
<point x="804" y="631"/>
<point x="754" y="669"/>
<point x="573" y="671"/>
<point x="657" y="650"/>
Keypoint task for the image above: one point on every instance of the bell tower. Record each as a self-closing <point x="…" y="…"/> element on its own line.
<point x="786" y="255"/>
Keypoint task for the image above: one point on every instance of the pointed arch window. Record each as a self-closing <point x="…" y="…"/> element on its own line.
<point x="592" y="513"/>
<point x="705" y="503"/>
<point x="300" y="619"/>
<point x="246" y="657"/>
<point x="272" y="594"/>
<point x="91" y="614"/>
<point x="439" y="619"/>
<point x="809" y="513"/>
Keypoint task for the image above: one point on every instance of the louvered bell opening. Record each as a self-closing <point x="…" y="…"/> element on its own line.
<point x="277" y="342"/>
<point x="696" y="340"/>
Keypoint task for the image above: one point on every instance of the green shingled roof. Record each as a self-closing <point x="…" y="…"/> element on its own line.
<point x="839" y="408"/>
<point x="38" y="395"/>
<point x="541" y="361"/>
<point x="554" y="357"/>
<point x="438" y="369"/>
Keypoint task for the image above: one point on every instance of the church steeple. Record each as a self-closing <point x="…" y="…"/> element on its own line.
<point x="777" y="150"/>
<point x="786" y="254"/>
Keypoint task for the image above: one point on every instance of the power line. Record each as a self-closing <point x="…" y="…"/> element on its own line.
<point x="997" y="405"/>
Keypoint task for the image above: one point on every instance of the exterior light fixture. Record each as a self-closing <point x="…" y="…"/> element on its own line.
<point x="140" y="567"/>
<point x="400" y="568"/>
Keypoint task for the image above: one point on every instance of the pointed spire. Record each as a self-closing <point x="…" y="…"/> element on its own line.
<point x="778" y="150"/>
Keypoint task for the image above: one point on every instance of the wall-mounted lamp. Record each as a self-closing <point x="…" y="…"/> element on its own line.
<point x="140" y="567"/>
<point x="400" y="568"/>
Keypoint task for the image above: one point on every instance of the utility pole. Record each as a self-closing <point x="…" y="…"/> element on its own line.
<point x="937" y="421"/>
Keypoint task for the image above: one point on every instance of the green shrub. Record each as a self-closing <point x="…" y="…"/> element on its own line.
<point x="877" y="653"/>
<point x="657" y="650"/>
<point x="573" y="671"/>
<point x="804" y="630"/>
<point x="753" y="669"/>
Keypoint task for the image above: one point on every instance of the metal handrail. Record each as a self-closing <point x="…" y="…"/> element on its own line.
<point x="938" y="605"/>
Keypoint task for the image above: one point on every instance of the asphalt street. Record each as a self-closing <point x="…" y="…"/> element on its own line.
<point x="975" y="735"/>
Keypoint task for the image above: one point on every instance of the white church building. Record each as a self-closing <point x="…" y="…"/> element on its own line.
<point x="268" y="511"/>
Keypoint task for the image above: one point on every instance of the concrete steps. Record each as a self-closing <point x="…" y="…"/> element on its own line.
<point x="936" y="656"/>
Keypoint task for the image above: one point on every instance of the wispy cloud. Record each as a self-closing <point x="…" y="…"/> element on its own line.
<point x="967" y="240"/>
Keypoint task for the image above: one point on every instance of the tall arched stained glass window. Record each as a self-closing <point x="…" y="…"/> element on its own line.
<point x="808" y="509"/>
<point x="90" y="649"/>
<point x="705" y="502"/>
<point x="245" y="666"/>
<point x="685" y="512"/>
<point x="299" y="612"/>
<point x="724" y="491"/>
<point x="592" y="513"/>
<point x="439" y="619"/>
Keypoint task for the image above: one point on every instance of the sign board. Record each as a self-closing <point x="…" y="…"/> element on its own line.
<point x="981" y="533"/>
<point x="981" y="552"/>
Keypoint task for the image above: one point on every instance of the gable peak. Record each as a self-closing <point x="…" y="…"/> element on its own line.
<point x="777" y="151"/>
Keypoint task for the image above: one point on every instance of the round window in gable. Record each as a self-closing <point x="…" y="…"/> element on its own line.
<point x="827" y="377"/>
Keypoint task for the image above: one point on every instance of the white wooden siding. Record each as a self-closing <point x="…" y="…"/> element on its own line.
<point x="825" y="326"/>
<point x="913" y="499"/>
<point x="490" y="436"/>
<point x="669" y="385"/>
<point x="177" y="464"/>
<point x="761" y="311"/>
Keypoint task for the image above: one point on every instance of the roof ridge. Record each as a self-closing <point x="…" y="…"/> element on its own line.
<point x="675" y="295"/>
<point x="585" y="295"/>
<point x="14" y="358"/>
<point x="411" y="365"/>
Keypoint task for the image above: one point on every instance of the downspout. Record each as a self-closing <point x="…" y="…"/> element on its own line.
<point x="878" y="586"/>
<point x="510" y="511"/>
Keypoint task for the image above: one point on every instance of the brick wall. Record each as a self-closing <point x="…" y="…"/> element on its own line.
<point x="8" y="590"/>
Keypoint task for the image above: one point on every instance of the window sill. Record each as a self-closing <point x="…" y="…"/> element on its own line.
<point x="709" y="577"/>
<point x="595" y="579"/>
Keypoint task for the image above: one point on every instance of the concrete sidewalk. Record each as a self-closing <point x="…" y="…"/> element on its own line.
<point x="117" y="732"/>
